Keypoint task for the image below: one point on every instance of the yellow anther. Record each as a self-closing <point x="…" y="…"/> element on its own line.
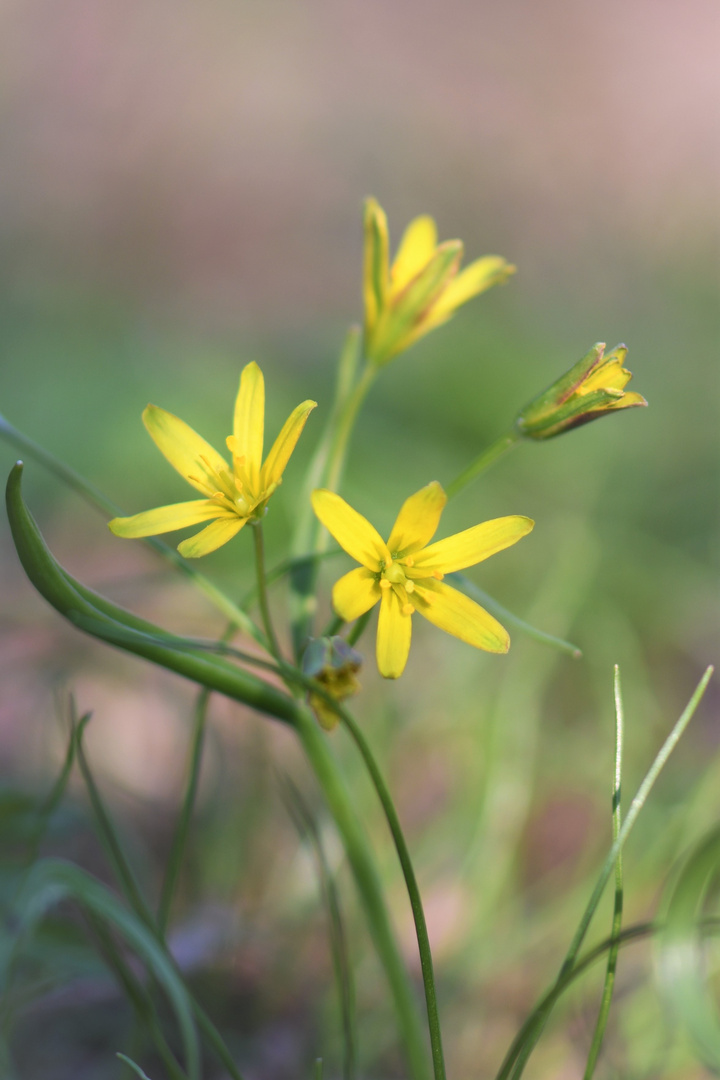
<point x="409" y="586"/>
<point x="407" y="609"/>
<point x="409" y="561"/>
<point x="385" y="584"/>
<point x="238" y="484"/>
<point x="233" y="446"/>
<point x="218" y="495"/>
<point x="196" y="479"/>
<point x="438" y="575"/>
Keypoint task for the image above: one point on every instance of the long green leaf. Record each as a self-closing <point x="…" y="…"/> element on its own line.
<point x="110" y="622"/>
<point x="78" y="603"/>
<point x="682" y="963"/>
<point x="53" y="880"/>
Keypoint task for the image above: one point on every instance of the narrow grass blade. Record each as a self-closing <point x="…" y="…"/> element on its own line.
<point x="609" y="984"/>
<point x="131" y="1064"/>
<point x="309" y="832"/>
<point x="513" y="1066"/>
<point x="514" y="621"/>
<point x="53" y="880"/>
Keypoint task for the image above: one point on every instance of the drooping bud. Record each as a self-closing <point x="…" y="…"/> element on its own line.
<point x="593" y="387"/>
<point x="334" y="664"/>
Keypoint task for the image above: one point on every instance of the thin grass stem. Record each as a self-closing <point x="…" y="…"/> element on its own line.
<point x="309" y="832"/>
<point x="610" y="971"/>
<point x="177" y="849"/>
<point x="521" y="1049"/>
<point x="488" y="457"/>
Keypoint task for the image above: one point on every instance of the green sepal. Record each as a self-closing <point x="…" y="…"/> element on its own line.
<point x="399" y="318"/>
<point x="102" y="619"/>
<point x="579" y="410"/>
<point x="546" y="403"/>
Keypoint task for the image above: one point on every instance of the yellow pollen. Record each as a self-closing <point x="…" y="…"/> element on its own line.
<point x="408" y="609"/>
<point x="196" y="479"/>
<point x="438" y="575"/>
<point x="409" y="561"/>
<point x="385" y="584"/>
<point x="218" y="495"/>
<point x="409" y="586"/>
<point x="238" y="484"/>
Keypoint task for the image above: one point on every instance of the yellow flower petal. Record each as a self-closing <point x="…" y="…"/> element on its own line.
<point x="417" y="248"/>
<point x="418" y="520"/>
<point x="629" y="399"/>
<point x="211" y="538"/>
<point x="167" y="518"/>
<point x="284" y="445"/>
<point x="457" y="614"/>
<point x="355" y="593"/>
<point x="194" y="459"/>
<point x="393" y="636"/>
<point x="249" y="423"/>
<point x="376" y="271"/>
<point x="352" y="531"/>
<point x="608" y="376"/>
<point x="477" y="276"/>
<point x="471" y="546"/>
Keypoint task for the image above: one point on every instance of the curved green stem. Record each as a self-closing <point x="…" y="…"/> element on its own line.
<point x="423" y="941"/>
<point x="488" y="457"/>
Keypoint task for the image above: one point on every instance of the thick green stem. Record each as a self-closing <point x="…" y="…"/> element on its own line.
<point x="369" y="886"/>
<point x="483" y="462"/>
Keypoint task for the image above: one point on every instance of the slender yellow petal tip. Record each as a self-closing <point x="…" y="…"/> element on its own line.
<point x="422" y="289"/>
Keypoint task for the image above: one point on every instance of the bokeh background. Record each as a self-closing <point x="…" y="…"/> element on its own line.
<point x="181" y="193"/>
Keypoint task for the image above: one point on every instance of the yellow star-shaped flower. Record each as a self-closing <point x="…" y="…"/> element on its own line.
<point x="406" y="575"/>
<point x="422" y="288"/>
<point x="234" y="494"/>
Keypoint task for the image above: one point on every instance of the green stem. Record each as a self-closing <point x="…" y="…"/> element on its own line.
<point x="609" y="983"/>
<point x="326" y="471"/>
<point x="177" y="850"/>
<point x="262" y="591"/>
<point x="369" y="885"/>
<point x="423" y="941"/>
<point x="514" y="1064"/>
<point x="359" y="628"/>
<point x="488" y="457"/>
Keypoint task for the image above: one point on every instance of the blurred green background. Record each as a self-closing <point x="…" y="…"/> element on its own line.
<point x="182" y="190"/>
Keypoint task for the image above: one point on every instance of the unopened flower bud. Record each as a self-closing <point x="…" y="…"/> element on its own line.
<point x="593" y="387"/>
<point x="334" y="664"/>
